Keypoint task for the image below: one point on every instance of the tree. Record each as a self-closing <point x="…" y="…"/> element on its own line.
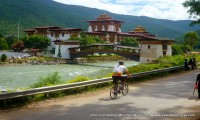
<point x="10" y="40"/>
<point x="177" y="49"/>
<point x="83" y="35"/>
<point x="187" y="48"/>
<point x="85" y="40"/>
<point x="132" y="42"/>
<point x="18" y="46"/>
<point x="191" y="39"/>
<point x="1" y="35"/>
<point x="37" y="42"/>
<point x="3" y="44"/>
<point x="27" y="43"/>
<point x="194" y="10"/>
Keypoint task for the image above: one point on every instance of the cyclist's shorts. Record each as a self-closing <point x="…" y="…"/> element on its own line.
<point x="116" y="78"/>
<point x="116" y="74"/>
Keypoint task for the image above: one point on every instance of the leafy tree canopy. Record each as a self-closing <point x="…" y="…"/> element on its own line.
<point x="3" y="44"/>
<point x="177" y="49"/>
<point x="132" y="42"/>
<point x="10" y="40"/>
<point x="194" y="10"/>
<point x="37" y="42"/>
<point x="191" y="39"/>
<point x="85" y="40"/>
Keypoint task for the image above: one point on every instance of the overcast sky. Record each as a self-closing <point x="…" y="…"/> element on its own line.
<point x="161" y="9"/>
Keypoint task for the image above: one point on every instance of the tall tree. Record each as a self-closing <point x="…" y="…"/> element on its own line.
<point x="10" y="40"/>
<point x="191" y="39"/>
<point x="194" y="10"/>
<point x="3" y="44"/>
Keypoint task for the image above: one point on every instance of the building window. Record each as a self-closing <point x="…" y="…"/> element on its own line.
<point x="51" y="34"/>
<point x="149" y="46"/>
<point x="164" y="47"/>
<point x="63" y="34"/>
<point x="164" y="53"/>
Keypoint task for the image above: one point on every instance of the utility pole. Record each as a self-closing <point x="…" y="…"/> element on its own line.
<point x="18" y="29"/>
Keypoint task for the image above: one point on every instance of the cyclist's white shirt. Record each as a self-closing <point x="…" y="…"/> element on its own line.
<point x="120" y="68"/>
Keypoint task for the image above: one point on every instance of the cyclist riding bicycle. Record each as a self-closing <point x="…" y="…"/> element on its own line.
<point x="118" y="72"/>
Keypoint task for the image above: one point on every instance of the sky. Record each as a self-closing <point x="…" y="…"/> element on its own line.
<point x="160" y="9"/>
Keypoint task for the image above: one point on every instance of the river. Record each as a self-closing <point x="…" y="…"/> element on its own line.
<point x="22" y="76"/>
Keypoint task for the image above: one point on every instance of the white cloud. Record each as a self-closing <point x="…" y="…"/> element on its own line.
<point x="160" y="9"/>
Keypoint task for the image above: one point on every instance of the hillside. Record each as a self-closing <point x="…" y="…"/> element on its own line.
<point x="31" y="13"/>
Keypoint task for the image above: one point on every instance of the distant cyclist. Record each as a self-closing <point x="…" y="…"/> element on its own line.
<point x="118" y="72"/>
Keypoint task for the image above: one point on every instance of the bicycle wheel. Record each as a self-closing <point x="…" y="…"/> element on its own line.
<point x="113" y="93"/>
<point x="125" y="90"/>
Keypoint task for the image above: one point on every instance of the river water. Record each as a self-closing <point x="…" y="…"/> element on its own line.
<point x="22" y="76"/>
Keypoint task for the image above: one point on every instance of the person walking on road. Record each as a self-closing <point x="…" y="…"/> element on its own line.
<point x="198" y="82"/>
<point x="194" y="63"/>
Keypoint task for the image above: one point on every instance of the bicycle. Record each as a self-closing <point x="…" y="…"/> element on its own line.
<point x="117" y="89"/>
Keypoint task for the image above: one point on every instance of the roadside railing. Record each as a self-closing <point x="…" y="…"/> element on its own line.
<point x="5" y="96"/>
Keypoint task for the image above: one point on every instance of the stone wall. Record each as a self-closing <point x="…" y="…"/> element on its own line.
<point x="11" y="54"/>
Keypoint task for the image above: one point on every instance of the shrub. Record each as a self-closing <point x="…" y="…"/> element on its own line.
<point x="51" y="79"/>
<point x="78" y="79"/>
<point x="3" y="57"/>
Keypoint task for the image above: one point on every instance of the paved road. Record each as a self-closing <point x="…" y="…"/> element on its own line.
<point x="170" y="97"/>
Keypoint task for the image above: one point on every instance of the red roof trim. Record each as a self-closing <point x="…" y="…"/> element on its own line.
<point x="66" y="29"/>
<point x="47" y="27"/>
<point x="108" y="20"/>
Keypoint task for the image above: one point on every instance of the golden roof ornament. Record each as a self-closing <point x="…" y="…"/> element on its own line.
<point x="103" y="17"/>
<point x="139" y="29"/>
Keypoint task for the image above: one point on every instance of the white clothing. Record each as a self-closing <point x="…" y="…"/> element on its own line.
<point x="120" y="69"/>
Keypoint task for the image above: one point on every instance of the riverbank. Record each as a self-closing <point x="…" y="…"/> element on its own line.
<point x="20" y="76"/>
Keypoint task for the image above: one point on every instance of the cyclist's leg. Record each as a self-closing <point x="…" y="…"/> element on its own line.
<point x="115" y="79"/>
<point x="123" y="80"/>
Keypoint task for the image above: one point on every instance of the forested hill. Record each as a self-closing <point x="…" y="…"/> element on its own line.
<point x="31" y="13"/>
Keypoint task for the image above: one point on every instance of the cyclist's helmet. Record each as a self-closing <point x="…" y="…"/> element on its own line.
<point x="121" y="62"/>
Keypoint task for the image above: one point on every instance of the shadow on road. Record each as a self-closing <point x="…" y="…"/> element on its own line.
<point x="169" y="87"/>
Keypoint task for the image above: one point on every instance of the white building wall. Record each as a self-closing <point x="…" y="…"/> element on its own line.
<point x="110" y="28"/>
<point x="148" y="54"/>
<point x="169" y="50"/>
<point x="90" y="28"/>
<point x="103" y="28"/>
<point x="65" y="37"/>
<point x="159" y="51"/>
<point x="64" y="51"/>
<point x="52" y="39"/>
<point x="96" y="28"/>
<point x="120" y="30"/>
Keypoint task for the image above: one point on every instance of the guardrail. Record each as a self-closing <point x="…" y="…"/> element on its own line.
<point x="6" y="96"/>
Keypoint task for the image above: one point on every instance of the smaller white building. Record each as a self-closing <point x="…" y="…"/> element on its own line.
<point x="153" y="48"/>
<point x="62" y="48"/>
